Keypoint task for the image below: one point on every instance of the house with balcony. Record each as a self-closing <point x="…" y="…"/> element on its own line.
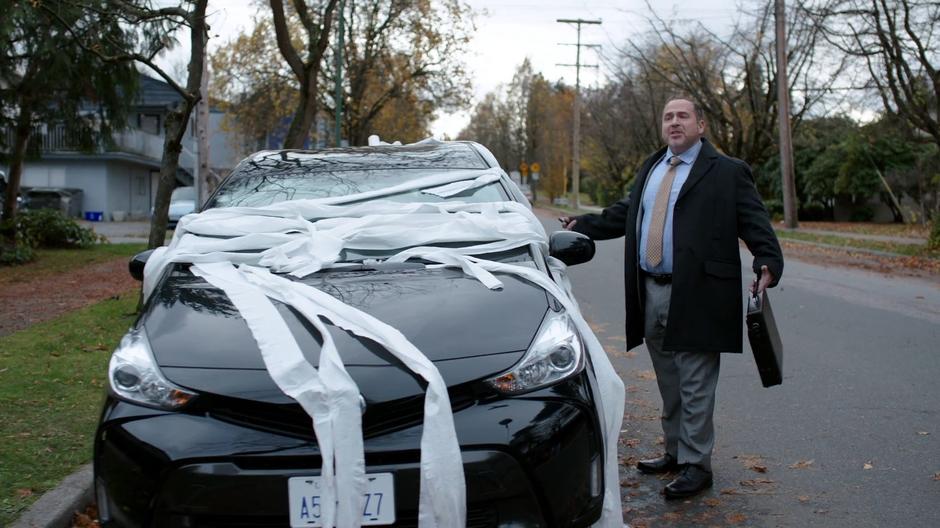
<point x="119" y="179"/>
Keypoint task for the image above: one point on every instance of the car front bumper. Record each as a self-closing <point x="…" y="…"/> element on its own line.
<point x="532" y="460"/>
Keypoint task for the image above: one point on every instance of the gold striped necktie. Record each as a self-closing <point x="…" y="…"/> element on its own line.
<point x="654" y="238"/>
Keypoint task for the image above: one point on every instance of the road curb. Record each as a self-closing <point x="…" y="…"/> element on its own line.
<point x="57" y="506"/>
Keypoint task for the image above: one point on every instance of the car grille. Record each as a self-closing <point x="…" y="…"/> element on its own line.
<point x="480" y="517"/>
<point x="291" y="419"/>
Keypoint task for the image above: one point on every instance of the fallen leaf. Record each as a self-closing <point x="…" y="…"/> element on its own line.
<point x="802" y="464"/>
<point x="632" y="442"/>
<point x="936" y="476"/>
<point x="735" y="518"/>
<point x="759" y="468"/>
<point x="729" y="491"/>
<point x="868" y="465"/>
<point x="647" y="375"/>
<point x="754" y="483"/>
<point x="711" y="503"/>
<point x="24" y="492"/>
<point x="803" y="498"/>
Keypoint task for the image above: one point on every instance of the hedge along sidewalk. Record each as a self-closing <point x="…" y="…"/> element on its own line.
<point x="52" y="381"/>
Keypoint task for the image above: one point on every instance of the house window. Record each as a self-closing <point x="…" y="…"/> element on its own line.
<point x="141" y="184"/>
<point x="149" y="123"/>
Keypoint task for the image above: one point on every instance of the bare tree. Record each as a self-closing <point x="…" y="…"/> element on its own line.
<point x="153" y="29"/>
<point x="734" y="77"/>
<point x="400" y="50"/>
<point x="306" y="69"/>
<point x="898" y="41"/>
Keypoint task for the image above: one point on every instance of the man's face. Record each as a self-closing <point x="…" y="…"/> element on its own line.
<point x="681" y="129"/>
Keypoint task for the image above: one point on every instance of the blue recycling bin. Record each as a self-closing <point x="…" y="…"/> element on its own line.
<point x="94" y="216"/>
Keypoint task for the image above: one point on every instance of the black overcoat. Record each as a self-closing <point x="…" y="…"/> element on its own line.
<point x="717" y="205"/>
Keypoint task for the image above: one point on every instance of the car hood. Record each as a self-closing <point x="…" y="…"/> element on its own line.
<point x="201" y="342"/>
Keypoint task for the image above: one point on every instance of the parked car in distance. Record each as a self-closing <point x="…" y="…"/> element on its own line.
<point x="195" y="433"/>
<point x="182" y="202"/>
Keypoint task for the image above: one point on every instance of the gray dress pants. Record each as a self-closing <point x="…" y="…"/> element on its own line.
<point x="687" y="382"/>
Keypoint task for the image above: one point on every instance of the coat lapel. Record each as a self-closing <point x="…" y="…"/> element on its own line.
<point x="703" y="163"/>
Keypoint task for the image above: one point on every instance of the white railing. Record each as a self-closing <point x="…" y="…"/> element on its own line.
<point x="139" y="142"/>
<point x="55" y="139"/>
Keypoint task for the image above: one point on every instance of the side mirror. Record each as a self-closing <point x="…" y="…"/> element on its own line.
<point x="137" y="263"/>
<point x="570" y="247"/>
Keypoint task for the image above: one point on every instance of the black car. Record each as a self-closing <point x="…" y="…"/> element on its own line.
<point x="195" y="433"/>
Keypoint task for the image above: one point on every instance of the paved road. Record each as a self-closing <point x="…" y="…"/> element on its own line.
<point x="851" y="438"/>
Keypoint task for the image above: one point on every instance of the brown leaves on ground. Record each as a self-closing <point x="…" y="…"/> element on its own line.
<point x="735" y="518"/>
<point x="802" y="464"/>
<point x="753" y="462"/>
<point x="911" y="266"/>
<point x="25" y="303"/>
<point x="756" y="483"/>
<point x="646" y="375"/>
<point x="87" y="518"/>
<point x="22" y="493"/>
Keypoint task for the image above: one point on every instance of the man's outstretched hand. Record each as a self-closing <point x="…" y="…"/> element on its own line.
<point x="567" y="222"/>
<point x="766" y="277"/>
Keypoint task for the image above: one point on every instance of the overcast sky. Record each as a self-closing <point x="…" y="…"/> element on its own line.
<point x="508" y="31"/>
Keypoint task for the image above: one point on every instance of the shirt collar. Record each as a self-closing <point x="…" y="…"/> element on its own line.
<point x="689" y="155"/>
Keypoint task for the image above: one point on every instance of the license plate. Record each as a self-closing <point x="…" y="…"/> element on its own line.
<point x="306" y="504"/>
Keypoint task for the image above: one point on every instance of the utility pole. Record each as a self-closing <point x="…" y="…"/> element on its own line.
<point x="338" y="90"/>
<point x="576" y="133"/>
<point x="783" y="118"/>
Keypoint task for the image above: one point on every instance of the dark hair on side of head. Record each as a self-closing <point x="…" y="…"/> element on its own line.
<point x="699" y="111"/>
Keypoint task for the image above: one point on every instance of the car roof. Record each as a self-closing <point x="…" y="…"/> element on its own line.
<point x="456" y="155"/>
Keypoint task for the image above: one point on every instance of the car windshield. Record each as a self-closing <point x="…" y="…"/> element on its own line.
<point x="270" y="177"/>
<point x="268" y="188"/>
<point x="273" y="177"/>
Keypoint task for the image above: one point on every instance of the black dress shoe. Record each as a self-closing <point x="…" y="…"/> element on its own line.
<point x="663" y="464"/>
<point x="691" y="481"/>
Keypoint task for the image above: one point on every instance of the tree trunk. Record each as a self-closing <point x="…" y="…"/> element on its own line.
<point x="176" y="121"/>
<point x="305" y="114"/>
<point x="20" y="142"/>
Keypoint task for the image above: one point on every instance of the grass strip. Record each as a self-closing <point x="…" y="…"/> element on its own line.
<point x="55" y="261"/>
<point x="914" y="250"/>
<point x="52" y="381"/>
<point x="869" y="228"/>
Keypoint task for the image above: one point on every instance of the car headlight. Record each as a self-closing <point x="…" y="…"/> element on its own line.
<point x="134" y="375"/>
<point x="556" y="353"/>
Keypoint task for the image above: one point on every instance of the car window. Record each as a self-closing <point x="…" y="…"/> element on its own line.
<point x="267" y="188"/>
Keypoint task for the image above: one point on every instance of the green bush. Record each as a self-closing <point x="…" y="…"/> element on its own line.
<point x="51" y="229"/>
<point x="43" y="228"/>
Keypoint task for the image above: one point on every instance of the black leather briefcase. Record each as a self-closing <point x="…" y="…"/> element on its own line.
<point x="765" y="340"/>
